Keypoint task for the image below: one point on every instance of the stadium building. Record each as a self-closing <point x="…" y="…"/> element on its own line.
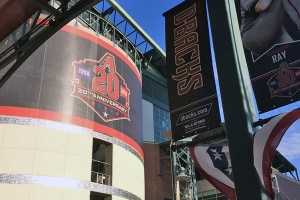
<point x="72" y="114"/>
<point x="82" y="118"/>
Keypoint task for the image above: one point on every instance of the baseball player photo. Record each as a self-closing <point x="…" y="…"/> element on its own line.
<point x="271" y="39"/>
<point x="269" y="22"/>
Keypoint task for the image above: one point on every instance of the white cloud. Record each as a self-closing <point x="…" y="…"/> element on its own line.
<point x="289" y="146"/>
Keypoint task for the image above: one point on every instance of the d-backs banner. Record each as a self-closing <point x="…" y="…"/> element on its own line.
<point x="271" y="38"/>
<point x="191" y="86"/>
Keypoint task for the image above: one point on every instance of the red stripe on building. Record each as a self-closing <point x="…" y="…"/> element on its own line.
<point x="59" y="117"/>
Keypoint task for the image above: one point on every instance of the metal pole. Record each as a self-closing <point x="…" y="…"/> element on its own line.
<point x="235" y="87"/>
<point x="177" y="190"/>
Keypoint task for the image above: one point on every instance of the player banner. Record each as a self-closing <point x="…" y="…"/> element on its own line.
<point x="271" y="38"/>
<point x="192" y="92"/>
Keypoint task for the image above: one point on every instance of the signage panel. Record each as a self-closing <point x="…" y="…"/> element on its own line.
<point x="191" y="85"/>
<point x="271" y="38"/>
<point x="78" y="76"/>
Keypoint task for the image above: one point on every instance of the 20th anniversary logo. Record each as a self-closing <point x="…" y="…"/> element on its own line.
<point x="102" y="88"/>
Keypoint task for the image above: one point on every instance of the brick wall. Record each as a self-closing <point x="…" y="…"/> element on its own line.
<point x="157" y="187"/>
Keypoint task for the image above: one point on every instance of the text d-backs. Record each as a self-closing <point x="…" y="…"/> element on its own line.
<point x="187" y="53"/>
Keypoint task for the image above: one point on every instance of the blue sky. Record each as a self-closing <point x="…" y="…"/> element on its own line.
<point x="148" y="14"/>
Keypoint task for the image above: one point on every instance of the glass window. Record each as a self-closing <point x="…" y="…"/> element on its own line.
<point x="101" y="162"/>
<point x="162" y="124"/>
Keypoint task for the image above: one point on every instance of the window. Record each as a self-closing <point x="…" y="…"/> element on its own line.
<point x="161" y="120"/>
<point x="211" y="195"/>
<point x="101" y="162"/>
<point x="99" y="196"/>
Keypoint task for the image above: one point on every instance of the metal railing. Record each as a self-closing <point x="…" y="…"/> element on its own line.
<point x="106" y="28"/>
<point x="101" y="172"/>
<point x="100" y="178"/>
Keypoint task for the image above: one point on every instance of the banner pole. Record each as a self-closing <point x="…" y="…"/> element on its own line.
<point x="237" y="99"/>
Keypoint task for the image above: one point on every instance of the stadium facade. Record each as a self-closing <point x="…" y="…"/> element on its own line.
<point x="71" y="115"/>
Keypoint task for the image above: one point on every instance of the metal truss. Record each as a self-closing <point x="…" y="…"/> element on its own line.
<point x="275" y="187"/>
<point x="107" y="19"/>
<point x="111" y="21"/>
<point x="101" y="24"/>
<point x="155" y="56"/>
<point x="284" y="166"/>
<point x="165" y="158"/>
<point x="181" y="158"/>
<point x="37" y="34"/>
<point x="183" y="190"/>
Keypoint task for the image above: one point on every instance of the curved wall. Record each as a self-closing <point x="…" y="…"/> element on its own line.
<point x="74" y="88"/>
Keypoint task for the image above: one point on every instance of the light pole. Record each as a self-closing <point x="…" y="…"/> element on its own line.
<point x="235" y="87"/>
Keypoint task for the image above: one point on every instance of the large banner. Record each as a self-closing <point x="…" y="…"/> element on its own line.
<point x="192" y="92"/>
<point x="78" y="78"/>
<point x="271" y="38"/>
